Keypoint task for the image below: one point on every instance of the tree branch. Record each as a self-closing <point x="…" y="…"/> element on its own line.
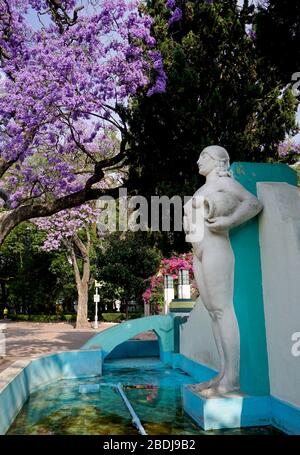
<point x="5" y="197"/>
<point x="80" y="245"/>
<point x="109" y="162"/>
<point x="60" y="15"/>
<point x="11" y="218"/>
<point x="75" y="267"/>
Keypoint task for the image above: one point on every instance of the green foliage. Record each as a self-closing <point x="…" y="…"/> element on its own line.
<point x="278" y="37"/>
<point x="61" y="268"/>
<point x="68" y="317"/>
<point x="124" y="264"/>
<point x="19" y="317"/>
<point x="113" y="317"/>
<point x="41" y="284"/>
<point x="34" y="281"/>
<point x="38" y="318"/>
<point x="135" y="315"/>
<point x="27" y="284"/>
<point x="221" y="89"/>
<point x="157" y="300"/>
<point x="118" y="317"/>
<point x="43" y="317"/>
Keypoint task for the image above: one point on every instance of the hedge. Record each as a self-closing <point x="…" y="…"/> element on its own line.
<point x="115" y="317"/>
<point x="107" y="317"/>
<point x="42" y="317"/>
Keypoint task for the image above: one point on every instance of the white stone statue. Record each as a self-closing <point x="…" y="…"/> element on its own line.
<point x="221" y="203"/>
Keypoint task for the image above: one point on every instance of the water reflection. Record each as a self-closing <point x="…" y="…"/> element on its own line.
<point x="154" y="392"/>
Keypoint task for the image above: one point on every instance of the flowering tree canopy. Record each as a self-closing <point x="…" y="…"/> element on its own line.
<point x="69" y="229"/>
<point x="289" y="151"/>
<point x="62" y="86"/>
<point x="62" y="228"/>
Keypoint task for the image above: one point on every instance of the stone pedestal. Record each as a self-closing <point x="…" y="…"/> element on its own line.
<point x="230" y="411"/>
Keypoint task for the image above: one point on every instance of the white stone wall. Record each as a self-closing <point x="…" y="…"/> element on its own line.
<point x="196" y="337"/>
<point x="168" y="297"/>
<point x="279" y="231"/>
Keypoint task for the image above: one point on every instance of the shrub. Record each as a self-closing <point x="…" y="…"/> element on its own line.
<point x="135" y="315"/>
<point x="38" y="318"/>
<point x="113" y="317"/>
<point x="116" y="317"/>
<point x="68" y="317"/>
<point x="107" y="317"/>
<point x="43" y="317"/>
<point x="19" y="317"/>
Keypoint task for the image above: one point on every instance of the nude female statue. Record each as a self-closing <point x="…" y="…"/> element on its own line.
<point x="224" y="204"/>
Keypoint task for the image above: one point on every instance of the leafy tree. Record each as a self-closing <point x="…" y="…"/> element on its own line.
<point x="28" y="285"/>
<point x="63" y="271"/>
<point x="124" y="264"/>
<point x="61" y="87"/>
<point x="277" y="26"/>
<point x="221" y="89"/>
<point x="71" y="230"/>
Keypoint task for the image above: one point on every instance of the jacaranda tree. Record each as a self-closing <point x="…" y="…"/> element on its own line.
<point x="61" y="86"/>
<point x="70" y="230"/>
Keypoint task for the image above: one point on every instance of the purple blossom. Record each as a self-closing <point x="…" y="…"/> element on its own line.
<point x="250" y="32"/>
<point x="62" y="227"/>
<point x="161" y="79"/>
<point x="289" y="149"/>
<point x="176" y="16"/>
<point x="56" y="85"/>
<point x="170" y="4"/>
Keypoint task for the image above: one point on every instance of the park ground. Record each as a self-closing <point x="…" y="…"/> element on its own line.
<point x="31" y="340"/>
<point x="26" y="340"/>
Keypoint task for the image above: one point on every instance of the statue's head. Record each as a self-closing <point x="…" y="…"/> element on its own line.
<point x="214" y="157"/>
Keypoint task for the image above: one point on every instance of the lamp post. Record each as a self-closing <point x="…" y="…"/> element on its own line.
<point x="98" y="285"/>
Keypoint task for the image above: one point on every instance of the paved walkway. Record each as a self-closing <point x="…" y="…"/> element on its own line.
<point x="33" y="339"/>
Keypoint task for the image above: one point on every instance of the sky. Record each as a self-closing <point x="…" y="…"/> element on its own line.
<point x="36" y="25"/>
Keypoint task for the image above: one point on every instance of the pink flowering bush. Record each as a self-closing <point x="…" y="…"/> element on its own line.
<point x="154" y="294"/>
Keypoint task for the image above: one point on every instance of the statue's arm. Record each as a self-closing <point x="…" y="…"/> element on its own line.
<point x="248" y="208"/>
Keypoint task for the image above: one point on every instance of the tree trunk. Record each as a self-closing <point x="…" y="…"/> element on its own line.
<point x="82" y="309"/>
<point x="82" y="282"/>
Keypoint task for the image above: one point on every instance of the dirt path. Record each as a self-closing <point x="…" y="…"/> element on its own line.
<point x="33" y="339"/>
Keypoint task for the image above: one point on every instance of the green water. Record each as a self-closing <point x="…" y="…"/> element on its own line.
<point x="154" y="392"/>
